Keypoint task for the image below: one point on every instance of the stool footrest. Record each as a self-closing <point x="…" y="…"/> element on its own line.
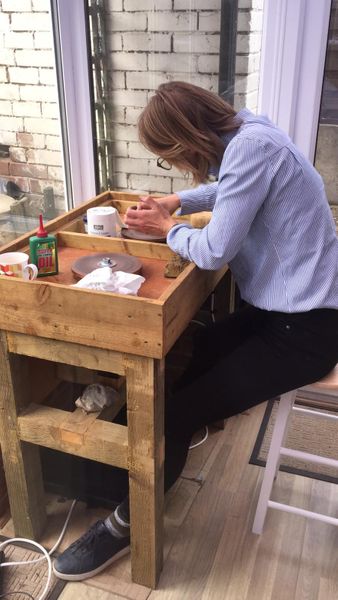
<point x="301" y="511"/>
<point x="315" y="413"/>
<point x="306" y="456"/>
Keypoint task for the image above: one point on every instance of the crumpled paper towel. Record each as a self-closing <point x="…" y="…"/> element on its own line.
<point x="96" y="396"/>
<point x="105" y="280"/>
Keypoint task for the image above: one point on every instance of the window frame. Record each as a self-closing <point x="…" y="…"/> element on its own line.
<point x="291" y="79"/>
<point x="292" y="67"/>
<point x="74" y="90"/>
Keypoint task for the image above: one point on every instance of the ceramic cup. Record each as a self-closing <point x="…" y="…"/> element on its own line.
<point x="15" y="264"/>
<point x="103" y="220"/>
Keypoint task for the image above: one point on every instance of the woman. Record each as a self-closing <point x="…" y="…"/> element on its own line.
<point x="272" y="224"/>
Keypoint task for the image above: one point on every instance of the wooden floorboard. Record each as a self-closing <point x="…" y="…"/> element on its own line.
<point x="210" y="552"/>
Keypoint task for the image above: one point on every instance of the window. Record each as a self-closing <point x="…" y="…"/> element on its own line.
<point x="136" y="45"/>
<point x="31" y="164"/>
<point x="326" y="157"/>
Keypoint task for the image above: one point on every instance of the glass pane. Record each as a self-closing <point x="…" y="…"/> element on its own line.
<point x="31" y="171"/>
<point x="138" y="44"/>
<point x="326" y="159"/>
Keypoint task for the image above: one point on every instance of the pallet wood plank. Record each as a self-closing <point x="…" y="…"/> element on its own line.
<point x="66" y="352"/>
<point x="101" y="441"/>
<point x="145" y="409"/>
<point x="21" y="460"/>
<point x="95" y="243"/>
<point x="100" y="319"/>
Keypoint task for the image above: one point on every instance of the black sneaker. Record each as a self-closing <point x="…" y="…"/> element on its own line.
<point x="90" y="554"/>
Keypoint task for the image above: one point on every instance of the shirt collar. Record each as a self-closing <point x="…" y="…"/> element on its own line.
<point x="241" y="116"/>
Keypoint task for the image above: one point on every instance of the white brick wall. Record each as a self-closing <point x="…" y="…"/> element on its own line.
<point x="248" y="53"/>
<point x="154" y="42"/>
<point x="146" y="42"/>
<point x="29" y="116"/>
<point x="149" y="42"/>
<point x="26" y="109"/>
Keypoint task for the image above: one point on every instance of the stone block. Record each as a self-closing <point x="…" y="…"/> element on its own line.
<point x="6" y="108"/>
<point x="129" y="61"/>
<point x="199" y="43"/>
<point x="172" y="21"/>
<point x="147" y="42"/>
<point x="208" y="63"/>
<point x="30" y="22"/>
<point x="7" y="57"/>
<point x="144" y="5"/>
<point x="43" y="40"/>
<point x="26" y="109"/>
<point x="9" y="91"/>
<point x="17" y="155"/>
<point x="23" y="75"/>
<point x="48" y="126"/>
<point x="209" y="22"/>
<point x="38" y="93"/>
<point x="44" y="157"/>
<point x="168" y="62"/>
<point x="149" y="184"/>
<point x="126" y="22"/>
<point x="129" y="98"/>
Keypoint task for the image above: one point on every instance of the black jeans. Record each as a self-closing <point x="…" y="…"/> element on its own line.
<point x="251" y="356"/>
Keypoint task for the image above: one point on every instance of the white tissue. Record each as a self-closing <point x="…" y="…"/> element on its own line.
<point x="105" y="280"/>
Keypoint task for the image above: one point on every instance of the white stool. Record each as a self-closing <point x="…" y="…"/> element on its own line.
<point x="286" y="406"/>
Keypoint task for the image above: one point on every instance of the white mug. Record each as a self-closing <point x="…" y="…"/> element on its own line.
<point x="103" y="220"/>
<point x="15" y="264"/>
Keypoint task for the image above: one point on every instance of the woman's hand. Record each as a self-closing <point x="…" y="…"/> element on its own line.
<point x="171" y="203"/>
<point x="152" y="216"/>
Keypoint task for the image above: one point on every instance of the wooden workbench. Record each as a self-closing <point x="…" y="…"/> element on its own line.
<point x="46" y="323"/>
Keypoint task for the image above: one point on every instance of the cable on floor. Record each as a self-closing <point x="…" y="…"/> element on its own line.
<point x="46" y="556"/>
<point x="204" y="439"/>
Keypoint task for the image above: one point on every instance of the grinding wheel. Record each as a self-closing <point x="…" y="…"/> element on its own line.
<point x="117" y="262"/>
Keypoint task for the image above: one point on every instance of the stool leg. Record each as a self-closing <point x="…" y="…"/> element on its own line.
<point x="284" y="410"/>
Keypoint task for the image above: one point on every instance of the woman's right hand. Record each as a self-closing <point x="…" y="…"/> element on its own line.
<point x="170" y="203"/>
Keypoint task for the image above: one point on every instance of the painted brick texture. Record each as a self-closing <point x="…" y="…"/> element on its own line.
<point x="29" y="119"/>
<point x="153" y="42"/>
<point x="148" y="43"/>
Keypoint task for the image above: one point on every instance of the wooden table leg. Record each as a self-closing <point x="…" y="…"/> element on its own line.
<point x="21" y="460"/>
<point x="145" y="405"/>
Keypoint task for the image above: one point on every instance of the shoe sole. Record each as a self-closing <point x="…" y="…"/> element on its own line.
<point x="81" y="576"/>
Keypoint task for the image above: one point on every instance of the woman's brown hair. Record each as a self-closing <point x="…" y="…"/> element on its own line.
<point x="183" y="124"/>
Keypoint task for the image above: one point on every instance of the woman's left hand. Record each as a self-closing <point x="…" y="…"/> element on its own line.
<point x="150" y="217"/>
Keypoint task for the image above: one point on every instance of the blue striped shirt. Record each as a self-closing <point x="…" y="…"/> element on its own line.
<point x="271" y="222"/>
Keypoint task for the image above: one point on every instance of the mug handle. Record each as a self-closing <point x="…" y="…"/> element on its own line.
<point x="31" y="271"/>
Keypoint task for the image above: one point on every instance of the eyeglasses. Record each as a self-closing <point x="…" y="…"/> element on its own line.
<point x="161" y="162"/>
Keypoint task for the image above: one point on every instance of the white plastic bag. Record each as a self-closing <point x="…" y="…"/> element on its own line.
<point x="105" y="280"/>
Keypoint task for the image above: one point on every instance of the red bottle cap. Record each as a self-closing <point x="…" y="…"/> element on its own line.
<point x="41" y="232"/>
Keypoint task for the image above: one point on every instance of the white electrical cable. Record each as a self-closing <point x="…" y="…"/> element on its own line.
<point x="202" y="440"/>
<point x="198" y="322"/>
<point x="212" y="306"/>
<point x="46" y="556"/>
<point x="42" y="549"/>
